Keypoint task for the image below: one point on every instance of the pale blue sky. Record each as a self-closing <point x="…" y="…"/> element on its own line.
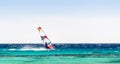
<point x="63" y="20"/>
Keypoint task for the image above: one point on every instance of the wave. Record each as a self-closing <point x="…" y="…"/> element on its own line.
<point x="29" y="48"/>
<point x="12" y="49"/>
<point x="32" y="49"/>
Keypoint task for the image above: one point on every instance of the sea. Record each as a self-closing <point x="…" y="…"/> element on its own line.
<point x="87" y="53"/>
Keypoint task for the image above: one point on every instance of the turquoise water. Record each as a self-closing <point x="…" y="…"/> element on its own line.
<point x="69" y="54"/>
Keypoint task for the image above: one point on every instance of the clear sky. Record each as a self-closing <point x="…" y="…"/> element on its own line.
<point x="70" y="21"/>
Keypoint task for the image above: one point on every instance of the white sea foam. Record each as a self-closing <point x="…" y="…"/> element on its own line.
<point x="33" y="49"/>
<point x="29" y="48"/>
<point x="12" y="49"/>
